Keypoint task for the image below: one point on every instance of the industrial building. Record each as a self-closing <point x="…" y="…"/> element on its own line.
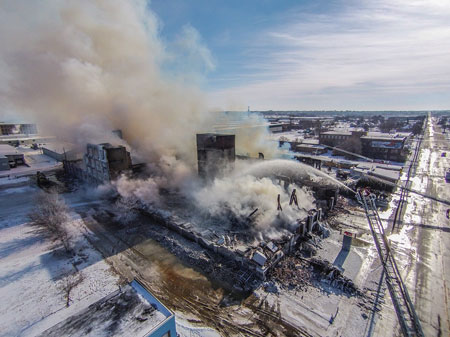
<point x="384" y="146"/>
<point x="101" y="163"/>
<point x="14" y="128"/>
<point x="10" y="157"/>
<point x="333" y="138"/>
<point x="374" y="145"/>
<point x="214" y="152"/>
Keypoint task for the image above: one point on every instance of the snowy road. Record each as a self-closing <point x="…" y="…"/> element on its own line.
<point x="424" y="237"/>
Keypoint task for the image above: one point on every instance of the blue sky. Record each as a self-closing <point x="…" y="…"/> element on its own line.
<point x="366" y="54"/>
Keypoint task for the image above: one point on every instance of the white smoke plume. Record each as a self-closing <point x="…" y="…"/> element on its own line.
<point x="240" y="195"/>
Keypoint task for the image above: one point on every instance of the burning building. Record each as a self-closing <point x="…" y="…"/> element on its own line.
<point x="101" y="163"/>
<point x="105" y="162"/>
<point x="214" y="152"/>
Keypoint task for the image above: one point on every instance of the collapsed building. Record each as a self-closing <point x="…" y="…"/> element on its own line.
<point x="233" y="237"/>
<point x="252" y="258"/>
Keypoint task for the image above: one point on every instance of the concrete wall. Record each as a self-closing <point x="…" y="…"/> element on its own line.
<point x="52" y="154"/>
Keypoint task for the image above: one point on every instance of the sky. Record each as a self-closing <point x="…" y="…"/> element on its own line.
<point x="313" y="54"/>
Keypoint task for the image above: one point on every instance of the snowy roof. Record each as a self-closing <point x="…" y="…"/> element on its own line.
<point x="385" y="136"/>
<point x="390" y="175"/>
<point x="131" y="311"/>
<point x="343" y="133"/>
<point x="7" y="149"/>
<point x="259" y="258"/>
<point x="369" y="166"/>
<point x="312" y="141"/>
<point x="59" y="147"/>
<point x="385" y="174"/>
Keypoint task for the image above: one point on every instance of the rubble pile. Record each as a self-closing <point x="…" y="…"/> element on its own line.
<point x="292" y="272"/>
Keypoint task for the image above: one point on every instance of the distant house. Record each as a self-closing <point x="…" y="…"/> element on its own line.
<point x="278" y="127"/>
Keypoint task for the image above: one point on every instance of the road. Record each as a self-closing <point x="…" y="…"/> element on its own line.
<point x="423" y="239"/>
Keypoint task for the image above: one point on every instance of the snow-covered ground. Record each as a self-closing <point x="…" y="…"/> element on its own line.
<point x="423" y="240"/>
<point x="33" y="272"/>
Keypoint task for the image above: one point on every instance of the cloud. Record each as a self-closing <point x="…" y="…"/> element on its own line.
<point x="188" y="57"/>
<point x="370" y="54"/>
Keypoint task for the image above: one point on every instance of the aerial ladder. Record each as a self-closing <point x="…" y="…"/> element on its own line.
<point x="403" y="305"/>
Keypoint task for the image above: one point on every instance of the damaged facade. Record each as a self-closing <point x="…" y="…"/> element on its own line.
<point x="214" y="153"/>
<point x="101" y="163"/>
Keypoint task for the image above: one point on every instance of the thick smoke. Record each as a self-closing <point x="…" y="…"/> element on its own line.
<point x="82" y="68"/>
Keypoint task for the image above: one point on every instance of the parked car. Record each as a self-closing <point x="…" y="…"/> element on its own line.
<point x="444" y="154"/>
<point x="447" y="176"/>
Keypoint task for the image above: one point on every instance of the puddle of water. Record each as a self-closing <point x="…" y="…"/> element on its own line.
<point x="177" y="278"/>
<point x="166" y="261"/>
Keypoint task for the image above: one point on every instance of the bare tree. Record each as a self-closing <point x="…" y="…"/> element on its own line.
<point x="69" y="282"/>
<point x="49" y="217"/>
